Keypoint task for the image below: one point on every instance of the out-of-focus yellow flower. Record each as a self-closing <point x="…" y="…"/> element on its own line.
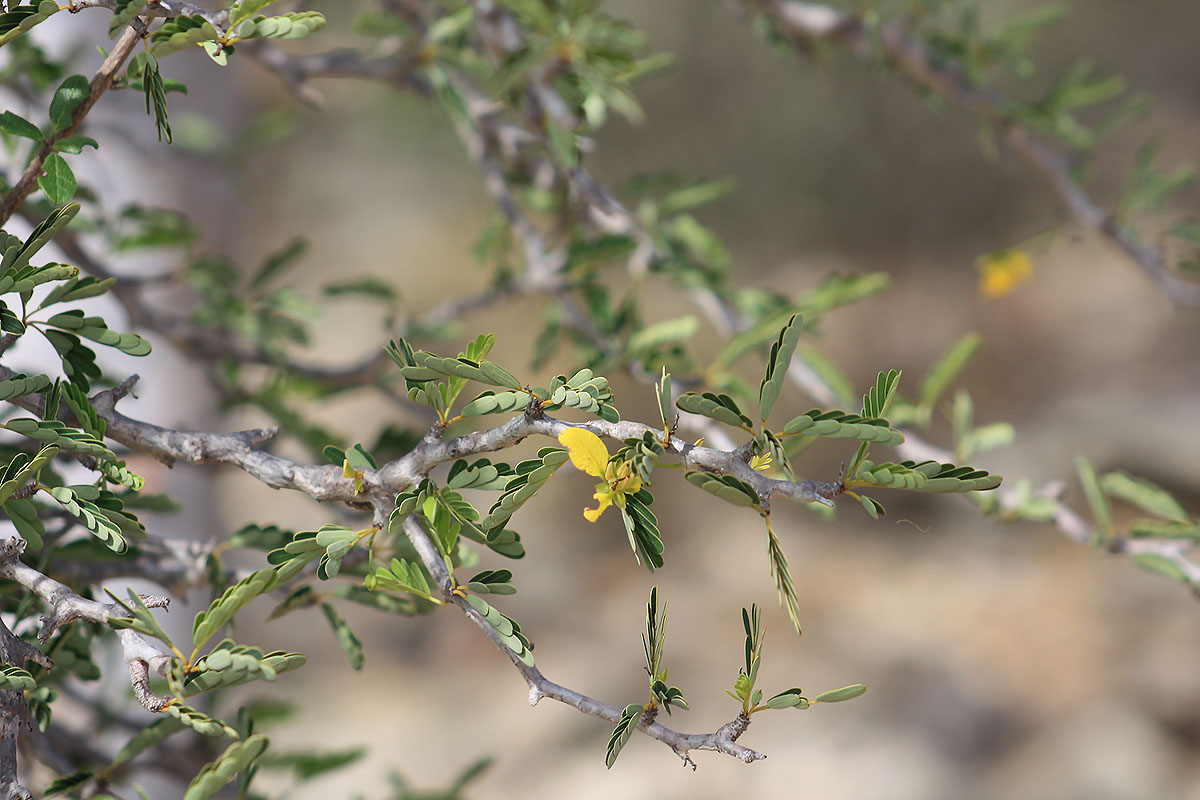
<point x="760" y="462"/>
<point x="589" y="455"/>
<point x="1003" y="271"/>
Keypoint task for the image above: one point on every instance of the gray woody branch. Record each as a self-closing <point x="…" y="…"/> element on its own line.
<point x="328" y="483"/>
<point x="806" y="23"/>
<point x="723" y="740"/>
<point x="65" y="606"/>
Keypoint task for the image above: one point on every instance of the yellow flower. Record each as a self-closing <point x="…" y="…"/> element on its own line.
<point x="589" y="455"/>
<point x="1003" y="271"/>
<point x="761" y="463"/>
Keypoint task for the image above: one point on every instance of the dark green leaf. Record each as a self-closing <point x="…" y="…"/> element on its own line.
<point x="66" y="99"/>
<point x="345" y="636"/>
<point x="57" y="180"/>
<point x="19" y="126"/>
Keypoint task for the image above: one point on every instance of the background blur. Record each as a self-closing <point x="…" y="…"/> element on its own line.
<point x="1003" y="662"/>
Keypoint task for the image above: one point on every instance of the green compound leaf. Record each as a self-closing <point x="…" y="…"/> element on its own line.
<point x="642" y="527"/>
<point x="642" y="454"/>
<point x="51" y="431"/>
<point x="777" y="365"/>
<point x="1163" y="565"/>
<point x="57" y="180"/>
<point x="96" y="329"/>
<point x="727" y="487"/>
<point x="585" y="391"/>
<point x="830" y="373"/>
<point x="308" y="764"/>
<point x="117" y="472"/>
<point x="506" y="628"/>
<point x="946" y="369"/>
<point x="656" y="632"/>
<point x="16" y="256"/>
<point x="15" y="679"/>
<point x="337" y="541"/>
<point x="480" y="474"/>
<point x="492" y="581"/>
<point x="151" y="736"/>
<point x="928" y="476"/>
<point x="200" y="722"/>
<point x="140" y="618"/>
<point x="24" y="516"/>
<point x="876" y="400"/>
<point x="22" y="469"/>
<point x="490" y="402"/>
<point x="78" y="288"/>
<point x="78" y="360"/>
<point x="233" y="600"/>
<point x="300" y="597"/>
<point x="838" y="695"/>
<point x="10" y="322"/>
<point x="230" y="664"/>
<point x="349" y="642"/>
<point x="531" y="476"/>
<point x="293" y="25"/>
<point x="68" y="782"/>
<point x="430" y="367"/>
<point x="180" y="33"/>
<point x="123" y="14"/>
<point x="789" y="698"/>
<point x="662" y="393"/>
<point x="874" y="508"/>
<point x="403" y="576"/>
<point x="720" y="407"/>
<point x="783" y="578"/>
<point x="81" y="407"/>
<point x="244" y="9"/>
<point x="661" y="334"/>
<point x="236" y="758"/>
<point x="620" y="735"/>
<point x="20" y="19"/>
<point x="668" y="696"/>
<point x="836" y="424"/>
<point x="1158" y="529"/>
<point x="26" y="278"/>
<point x="1096" y="498"/>
<point x="154" y="88"/>
<point x="1148" y="496"/>
<point x="90" y="515"/>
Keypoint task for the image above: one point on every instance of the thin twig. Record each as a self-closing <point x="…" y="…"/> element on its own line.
<point x="100" y="83"/>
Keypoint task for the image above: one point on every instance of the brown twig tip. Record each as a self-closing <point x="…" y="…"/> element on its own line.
<point x="11" y="548"/>
<point x="156" y="601"/>
<point x="262" y="435"/>
<point x="124" y="387"/>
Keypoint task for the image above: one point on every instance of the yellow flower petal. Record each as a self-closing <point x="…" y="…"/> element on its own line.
<point x="1003" y="271"/>
<point x="593" y="514"/>
<point x="586" y="450"/>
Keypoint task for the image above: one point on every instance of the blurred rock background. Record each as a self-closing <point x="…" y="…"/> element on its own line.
<point x="1003" y="662"/>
